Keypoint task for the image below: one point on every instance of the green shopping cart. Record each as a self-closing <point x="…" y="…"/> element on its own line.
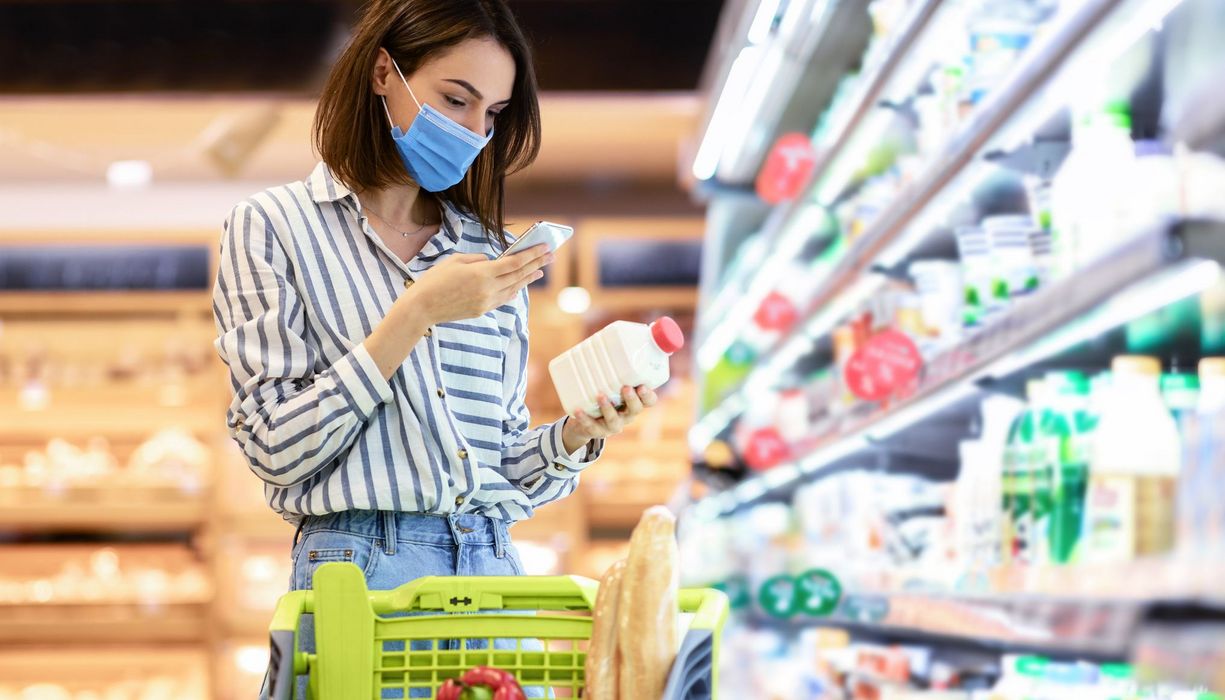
<point x="365" y="646"/>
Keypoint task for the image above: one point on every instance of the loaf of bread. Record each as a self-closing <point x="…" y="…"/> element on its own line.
<point x="648" y="608"/>
<point x="602" y="662"/>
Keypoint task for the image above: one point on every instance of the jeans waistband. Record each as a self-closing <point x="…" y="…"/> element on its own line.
<point x="418" y="528"/>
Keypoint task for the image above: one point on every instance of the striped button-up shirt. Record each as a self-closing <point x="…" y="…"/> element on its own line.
<point x="302" y="281"/>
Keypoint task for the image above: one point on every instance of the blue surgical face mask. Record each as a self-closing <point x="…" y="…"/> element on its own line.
<point x="436" y="150"/>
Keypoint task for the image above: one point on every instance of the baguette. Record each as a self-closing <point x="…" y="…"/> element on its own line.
<point x="602" y="661"/>
<point x="648" y="608"/>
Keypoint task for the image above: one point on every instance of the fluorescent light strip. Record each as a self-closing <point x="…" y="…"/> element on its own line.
<point x="764" y="82"/>
<point x="742" y="71"/>
<point x="763" y="20"/>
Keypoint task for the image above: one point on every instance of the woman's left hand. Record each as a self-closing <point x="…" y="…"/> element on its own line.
<point x="581" y="428"/>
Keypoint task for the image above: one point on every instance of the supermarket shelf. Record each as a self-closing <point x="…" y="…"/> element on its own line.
<point x="992" y="118"/>
<point x="83" y="421"/>
<point x="118" y="623"/>
<point x="105" y="302"/>
<point x="1154" y="269"/>
<point x="103" y="510"/>
<point x="88" y="666"/>
<point x="1190" y="652"/>
<point x="1049" y="626"/>
<point x="1086" y="611"/>
<point x="717" y="338"/>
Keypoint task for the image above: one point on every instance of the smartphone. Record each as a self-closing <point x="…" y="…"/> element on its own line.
<point x="547" y="232"/>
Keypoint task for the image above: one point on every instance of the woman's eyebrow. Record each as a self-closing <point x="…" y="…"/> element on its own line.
<point x="470" y="88"/>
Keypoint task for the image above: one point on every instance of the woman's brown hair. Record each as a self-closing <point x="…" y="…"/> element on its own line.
<point x="351" y="130"/>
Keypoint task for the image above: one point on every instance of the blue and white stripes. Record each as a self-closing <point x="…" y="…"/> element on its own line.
<point x="302" y="281"/>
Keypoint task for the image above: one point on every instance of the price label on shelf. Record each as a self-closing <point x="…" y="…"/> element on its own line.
<point x="779" y="597"/>
<point x="765" y="448"/>
<point x="887" y="365"/>
<point x="787" y="168"/>
<point x="819" y="592"/>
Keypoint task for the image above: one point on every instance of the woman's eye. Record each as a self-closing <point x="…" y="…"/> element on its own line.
<point x="454" y="102"/>
<point x="493" y="114"/>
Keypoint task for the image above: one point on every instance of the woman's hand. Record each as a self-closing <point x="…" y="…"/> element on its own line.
<point x="581" y="428"/>
<point x="470" y="285"/>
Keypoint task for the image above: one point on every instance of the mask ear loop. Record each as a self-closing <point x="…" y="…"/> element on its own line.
<point x="410" y="90"/>
<point x="387" y="111"/>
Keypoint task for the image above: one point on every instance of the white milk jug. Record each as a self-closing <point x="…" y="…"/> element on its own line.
<point x="621" y="354"/>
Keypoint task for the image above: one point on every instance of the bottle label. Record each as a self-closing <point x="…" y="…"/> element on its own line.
<point x="1110" y="518"/>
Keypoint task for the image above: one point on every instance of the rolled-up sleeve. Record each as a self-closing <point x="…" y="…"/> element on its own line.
<point x="535" y="461"/>
<point x="290" y="419"/>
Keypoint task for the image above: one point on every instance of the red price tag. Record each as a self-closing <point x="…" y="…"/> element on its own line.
<point x="776" y="313"/>
<point x="765" y="449"/>
<point x="787" y="168"/>
<point x="887" y="365"/>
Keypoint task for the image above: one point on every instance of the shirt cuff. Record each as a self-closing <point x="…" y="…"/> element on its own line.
<point x="560" y="464"/>
<point x="359" y="379"/>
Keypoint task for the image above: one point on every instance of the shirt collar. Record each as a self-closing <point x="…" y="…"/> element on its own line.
<point x="324" y="187"/>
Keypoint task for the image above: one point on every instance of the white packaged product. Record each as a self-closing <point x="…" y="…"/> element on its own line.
<point x="621" y="354"/>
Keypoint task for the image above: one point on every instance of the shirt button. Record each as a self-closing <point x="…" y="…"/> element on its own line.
<point x="408" y="283"/>
<point x="463" y="454"/>
<point x="459" y="500"/>
<point x="442" y="394"/>
<point x="429" y="332"/>
<point x="558" y="467"/>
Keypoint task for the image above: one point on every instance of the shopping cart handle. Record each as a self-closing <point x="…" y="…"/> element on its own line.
<point x="285" y="662"/>
<point x="452" y="594"/>
<point x="709" y="607"/>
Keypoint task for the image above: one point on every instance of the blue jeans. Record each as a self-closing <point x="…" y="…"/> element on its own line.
<point x="395" y="548"/>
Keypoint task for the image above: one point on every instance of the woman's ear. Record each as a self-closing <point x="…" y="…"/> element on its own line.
<point x="383" y="72"/>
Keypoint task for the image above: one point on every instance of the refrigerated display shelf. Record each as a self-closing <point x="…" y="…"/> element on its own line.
<point x="1188" y="652"/>
<point x="1154" y="269"/>
<point x="111" y="623"/>
<point x="1000" y="111"/>
<point x="1100" y="630"/>
<point x="1105" y="612"/>
<point x="872" y="84"/>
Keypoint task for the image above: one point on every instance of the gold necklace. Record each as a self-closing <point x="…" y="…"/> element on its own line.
<point x="396" y="228"/>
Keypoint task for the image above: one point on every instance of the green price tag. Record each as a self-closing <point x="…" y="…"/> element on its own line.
<point x="778" y="596"/>
<point x="737" y="590"/>
<point x="819" y="592"/>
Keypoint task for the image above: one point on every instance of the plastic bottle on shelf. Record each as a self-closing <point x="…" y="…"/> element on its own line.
<point x="1201" y="524"/>
<point x="1091" y="193"/>
<point x="1134" y="465"/>
<point x="1180" y="392"/>
<point x="1016" y="490"/>
<point x="1068" y="427"/>
<point x="621" y="354"/>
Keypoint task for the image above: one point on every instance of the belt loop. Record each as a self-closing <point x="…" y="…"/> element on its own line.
<point x="297" y="533"/>
<point x="389" y="532"/>
<point x="500" y="535"/>
<point x="453" y="523"/>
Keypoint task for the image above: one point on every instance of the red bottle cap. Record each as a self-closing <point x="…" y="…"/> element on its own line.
<point x="668" y="335"/>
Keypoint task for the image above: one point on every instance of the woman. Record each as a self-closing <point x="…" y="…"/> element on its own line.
<point x="376" y="348"/>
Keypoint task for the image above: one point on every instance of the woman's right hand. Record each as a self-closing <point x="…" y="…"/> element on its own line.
<point x="467" y="286"/>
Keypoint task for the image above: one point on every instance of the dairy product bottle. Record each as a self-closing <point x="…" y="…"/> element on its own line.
<point x="1016" y="491"/>
<point x="621" y="354"/>
<point x="1199" y="513"/>
<point x="1068" y="427"/>
<point x="1133" y="472"/>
